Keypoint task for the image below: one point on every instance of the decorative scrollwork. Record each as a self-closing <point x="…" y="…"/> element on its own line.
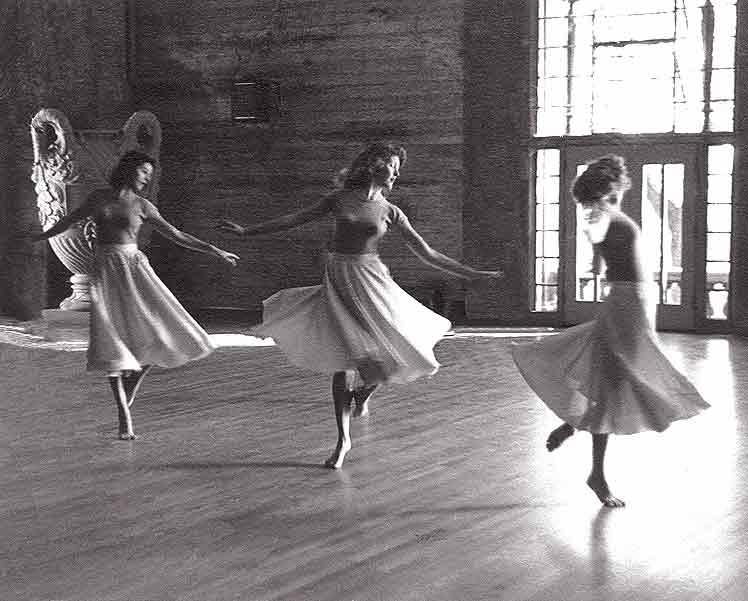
<point x="53" y="168"/>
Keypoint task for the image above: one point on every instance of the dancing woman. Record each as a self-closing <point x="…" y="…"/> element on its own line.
<point x="359" y="325"/>
<point x="609" y="376"/>
<point x="135" y="320"/>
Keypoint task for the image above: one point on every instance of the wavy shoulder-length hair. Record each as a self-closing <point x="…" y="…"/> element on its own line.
<point x="123" y="174"/>
<point x="368" y="162"/>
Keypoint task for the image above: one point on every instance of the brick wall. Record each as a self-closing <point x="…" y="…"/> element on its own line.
<point x="348" y="72"/>
<point x="67" y="55"/>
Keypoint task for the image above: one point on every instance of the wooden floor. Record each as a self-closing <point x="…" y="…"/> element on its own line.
<point x="448" y="493"/>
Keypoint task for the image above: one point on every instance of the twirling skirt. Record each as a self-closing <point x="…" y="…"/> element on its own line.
<point x="135" y="319"/>
<point x="359" y="320"/>
<point x="610" y="375"/>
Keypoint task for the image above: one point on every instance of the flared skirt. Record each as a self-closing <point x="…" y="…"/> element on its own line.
<point x="358" y="320"/>
<point x="135" y="319"/>
<point x="610" y="375"/>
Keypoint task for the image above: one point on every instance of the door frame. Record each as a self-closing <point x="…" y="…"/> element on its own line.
<point x="686" y="315"/>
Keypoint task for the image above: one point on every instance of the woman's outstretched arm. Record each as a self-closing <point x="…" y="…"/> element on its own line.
<point x="434" y="258"/>
<point x="184" y="239"/>
<point x="279" y="224"/>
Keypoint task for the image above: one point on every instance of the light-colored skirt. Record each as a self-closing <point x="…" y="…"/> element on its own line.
<point x="135" y="319"/>
<point x="358" y="320"/>
<point x="610" y="375"/>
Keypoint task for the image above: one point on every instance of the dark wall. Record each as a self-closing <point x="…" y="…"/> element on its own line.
<point x="497" y="129"/>
<point x="348" y="72"/>
<point x="70" y="55"/>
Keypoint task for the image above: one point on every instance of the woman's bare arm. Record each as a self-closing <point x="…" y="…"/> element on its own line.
<point x="438" y="260"/>
<point x="279" y="224"/>
<point x="184" y="239"/>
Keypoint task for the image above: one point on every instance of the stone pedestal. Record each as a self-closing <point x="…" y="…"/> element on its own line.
<point x="60" y="325"/>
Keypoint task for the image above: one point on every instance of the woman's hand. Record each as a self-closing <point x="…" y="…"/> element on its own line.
<point x="230" y="227"/>
<point x="230" y="258"/>
<point x="488" y="275"/>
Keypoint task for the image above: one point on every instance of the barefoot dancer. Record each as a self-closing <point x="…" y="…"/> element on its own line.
<point x="358" y="325"/>
<point x="609" y="376"/>
<point x="135" y="320"/>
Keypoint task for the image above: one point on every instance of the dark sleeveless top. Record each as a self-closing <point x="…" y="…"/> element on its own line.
<point x="361" y="224"/>
<point x="622" y="250"/>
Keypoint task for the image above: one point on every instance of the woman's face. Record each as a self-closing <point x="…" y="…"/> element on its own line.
<point x="387" y="175"/>
<point x="143" y="175"/>
<point x="593" y="212"/>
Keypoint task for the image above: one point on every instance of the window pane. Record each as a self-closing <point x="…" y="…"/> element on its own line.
<point x="689" y="117"/>
<point x="717" y="289"/>
<point x="717" y="247"/>
<point x="550" y="244"/>
<point x="721" y="117"/>
<point x="723" y="84"/>
<point x="546" y="271"/>
<point x="539" y="218"/>
<point x="551" y="217"/>
<point x="551" y="122"/>
<point x="556" y="32"/>
<point x="719" y="218"/>
<point x="546" y="298"/>
<point x="549" y="162"/>
<point x="554" y="61"/>
<point x="720" y="158"/>
<point x="723" y="52"/>
<point x="646" y="26"/>
<point x="719" y="188"/>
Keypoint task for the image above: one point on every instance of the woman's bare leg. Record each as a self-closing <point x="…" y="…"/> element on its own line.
<point x="558" y="436"/>
<point x="362" y="396"/>
<point x="342" y="395"/>
<point x="123" y="409"/>
<point x="596" y="480"/>
<point x="132" y="383"/>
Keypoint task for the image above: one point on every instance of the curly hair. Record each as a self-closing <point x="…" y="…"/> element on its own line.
<point x="367" y="163"/>
<point x="604" y="178"/>
<point x="123" y="175"/>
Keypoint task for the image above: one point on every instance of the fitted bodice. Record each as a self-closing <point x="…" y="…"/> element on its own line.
<point x="118" y="220"/>
<point x="360" y="224"/>
<point x="622" y="252"/>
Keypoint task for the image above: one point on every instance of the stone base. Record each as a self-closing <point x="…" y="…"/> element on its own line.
<point x="61" y="325"/>
<point x="57" y="330"/>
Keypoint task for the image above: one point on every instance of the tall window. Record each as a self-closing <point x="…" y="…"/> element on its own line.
<point x="660" y="67"/>
<point x="719" y="228"/>
<point x="547" y="177"/>
<point x="635" y="66"/>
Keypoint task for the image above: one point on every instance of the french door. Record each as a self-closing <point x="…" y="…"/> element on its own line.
<point x="663" y="200"/>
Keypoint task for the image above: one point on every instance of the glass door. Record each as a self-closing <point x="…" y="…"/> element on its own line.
<point x="662" y="200"/>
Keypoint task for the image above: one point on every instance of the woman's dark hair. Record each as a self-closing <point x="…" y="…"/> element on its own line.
<point x="603" y="178"/>
<point x="367" y="163"/>
<point x="123" y="175"/>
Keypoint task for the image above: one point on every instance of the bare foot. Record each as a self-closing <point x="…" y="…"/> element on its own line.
<point x="362" y="396"/>
<point x="335" y="461"/>
<point x="600" y="487"/>
<point x="127" y="436"/>
<point x="558" y="436"/>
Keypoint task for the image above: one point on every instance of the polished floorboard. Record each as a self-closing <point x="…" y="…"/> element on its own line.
<point x="447" y="495"/>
